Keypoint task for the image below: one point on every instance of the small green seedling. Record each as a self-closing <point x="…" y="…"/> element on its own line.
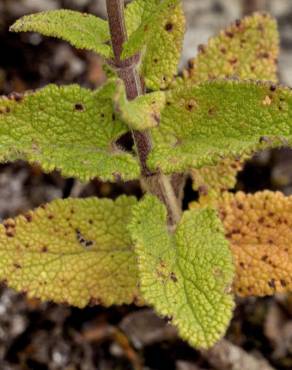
<point x="204" y="123"/>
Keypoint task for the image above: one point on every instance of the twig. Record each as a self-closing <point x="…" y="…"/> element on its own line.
<point x="156" y="183"/>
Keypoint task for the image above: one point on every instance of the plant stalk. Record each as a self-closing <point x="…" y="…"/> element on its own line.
<point x="156" y="183"/>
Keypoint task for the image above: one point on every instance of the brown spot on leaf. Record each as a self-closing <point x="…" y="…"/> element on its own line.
<point x="162" y="263"/>
<point x="272" y="283"/>
<point x="237" y="22"/>
<point x="283" y="283"/>
<point x="17" y="265"/>
<point x="191" y="63"/>
<point x="212" y="111"/>
<point x="233" y="60"/>
<point x="190" y="105"/>
<point x="44" y="249"/>
<point x="229" y="34"/>
<point x="169" y="27"/>
<point x="79" y="107"/>
<point x="263" y="55"/>
<point x="202" y="48"/>
<point x="173" y="277"/>
<point x="203" y="190"/>
<point x="9" y="223"/>
<point x="10" y="233"/>
<point x="81" y="239"/>
<point x="28" y="216"/>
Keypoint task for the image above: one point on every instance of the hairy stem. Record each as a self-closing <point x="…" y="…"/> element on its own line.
<point x="157" y="184"/>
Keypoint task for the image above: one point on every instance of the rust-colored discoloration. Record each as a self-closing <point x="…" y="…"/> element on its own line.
<point x="9" y="223"/>
<point x="259" y="229"/>
<point x="191" y="105"/>
<point x="28" y="216"/>
<point x="10" y="233"/>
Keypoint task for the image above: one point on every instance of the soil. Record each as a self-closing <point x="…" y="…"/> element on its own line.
<point x="43" y="336"/>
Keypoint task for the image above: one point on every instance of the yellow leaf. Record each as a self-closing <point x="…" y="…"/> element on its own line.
<point x="248" y="49"/>
<point x="212" y="181"/>
<point x="76" y="251"/>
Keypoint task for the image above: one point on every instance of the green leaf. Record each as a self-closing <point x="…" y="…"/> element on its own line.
<point x="203" y="124"/>
<point x="159" y="27"/>
<point x="67" y="128"/>
<point x="74" y="251"/>
<point x="186" y="275"/>
<point x="141" y="113"/>
<point x="84" y="31"/>
<point x="248" y="49"/>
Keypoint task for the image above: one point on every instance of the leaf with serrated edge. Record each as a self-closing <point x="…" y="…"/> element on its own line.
<point x="159" y="26"/>
<point x="74" y="251"/>
<point x="212" y="181"/>
<point x="82" y="30"/>
<point x="248" y="49"/>
<point x="186" y="275"/>
<point x="141" y="113"/>
<point x="258" y="227"/>
<point x="203" y="124"/>
<point x="67" y="128"/>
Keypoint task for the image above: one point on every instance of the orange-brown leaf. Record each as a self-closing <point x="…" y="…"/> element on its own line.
<point x="259" y="228"/>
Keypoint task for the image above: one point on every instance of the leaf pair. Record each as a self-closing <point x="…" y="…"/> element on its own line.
<point x="215" y="123"/>
<point x="82" y="251"/>
<point x="75" y="130"/>
<point x="79" y="251"/>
